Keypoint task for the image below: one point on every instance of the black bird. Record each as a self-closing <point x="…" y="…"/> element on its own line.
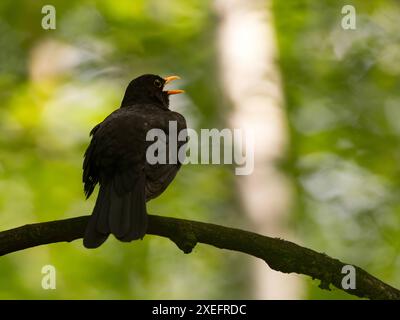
<point x="116" y="160"/>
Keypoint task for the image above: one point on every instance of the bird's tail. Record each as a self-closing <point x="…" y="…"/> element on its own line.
<point x="122" y="214"/>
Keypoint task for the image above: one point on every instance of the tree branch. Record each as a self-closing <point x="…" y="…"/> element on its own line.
<point x="279" y="254"/>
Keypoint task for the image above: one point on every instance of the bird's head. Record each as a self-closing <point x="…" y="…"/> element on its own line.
<point x="149" y="88"/>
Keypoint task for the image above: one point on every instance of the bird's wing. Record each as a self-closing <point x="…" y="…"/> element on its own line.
<point x="117" y="149"/>
<point x="90" y="172"/>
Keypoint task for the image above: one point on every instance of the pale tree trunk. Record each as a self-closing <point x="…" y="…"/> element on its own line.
<point x="251" y="81"/>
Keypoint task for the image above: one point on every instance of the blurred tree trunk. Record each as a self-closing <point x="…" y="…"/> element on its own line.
<point x="251" y="81"/>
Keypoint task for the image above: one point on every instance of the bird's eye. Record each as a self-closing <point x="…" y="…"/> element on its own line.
<point x="157" y="83"/>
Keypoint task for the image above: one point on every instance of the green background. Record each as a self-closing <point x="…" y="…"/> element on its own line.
<point x="342" y="104"/>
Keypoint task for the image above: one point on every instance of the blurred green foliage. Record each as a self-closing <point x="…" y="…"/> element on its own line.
<point x="343" y="101"/>
<point x="342" y="94"/>
<point x="55" y="86"/>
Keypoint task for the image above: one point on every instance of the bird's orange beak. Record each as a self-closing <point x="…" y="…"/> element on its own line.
<point x="169" y="79"/>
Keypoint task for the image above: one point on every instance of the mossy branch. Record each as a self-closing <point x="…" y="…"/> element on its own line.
<point x="280" y="255"/>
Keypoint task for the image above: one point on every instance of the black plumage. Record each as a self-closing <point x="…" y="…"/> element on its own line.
<point x="116" y="160"/>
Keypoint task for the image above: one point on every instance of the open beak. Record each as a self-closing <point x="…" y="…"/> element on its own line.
<point x="168" y="80"/>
